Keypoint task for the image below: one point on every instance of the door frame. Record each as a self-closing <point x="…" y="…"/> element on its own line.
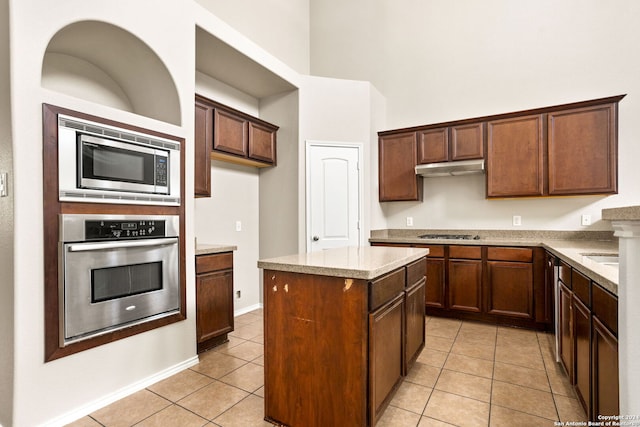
<point x="333" y="144"/>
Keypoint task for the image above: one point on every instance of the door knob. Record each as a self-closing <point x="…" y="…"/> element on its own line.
<point x="315" y="238"/>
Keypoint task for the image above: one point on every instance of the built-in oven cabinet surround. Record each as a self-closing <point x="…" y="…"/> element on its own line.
<point x="115" y="271"/>
<point x="100" y="163"/>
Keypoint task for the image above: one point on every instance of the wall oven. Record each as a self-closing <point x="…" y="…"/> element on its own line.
<point x="102" y="163"/>
<point x="116" y="271"/>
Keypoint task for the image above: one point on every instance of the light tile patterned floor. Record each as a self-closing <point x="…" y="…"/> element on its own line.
<point x="469" y="374"/>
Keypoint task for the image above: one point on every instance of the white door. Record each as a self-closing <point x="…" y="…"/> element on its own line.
<point x="333" y="195"/>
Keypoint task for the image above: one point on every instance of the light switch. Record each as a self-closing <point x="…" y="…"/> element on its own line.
<point x="585" y="219"/>
<point x="238" y="225"/>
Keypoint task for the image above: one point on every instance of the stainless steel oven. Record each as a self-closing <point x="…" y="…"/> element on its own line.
<point x="102" y="163"/>
<point x="116" y="271"/>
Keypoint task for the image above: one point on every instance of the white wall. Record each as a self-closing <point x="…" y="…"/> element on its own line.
<point x="439" y="60"/>
<point x="281" y="27"/>
<point x="234" y="197"/>
<point x="6" y="228"/>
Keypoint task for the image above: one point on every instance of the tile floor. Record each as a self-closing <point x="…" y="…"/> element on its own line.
<point x="469" y="374"/>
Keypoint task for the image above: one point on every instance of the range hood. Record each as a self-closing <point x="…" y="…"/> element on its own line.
<point x="461" y="167"/>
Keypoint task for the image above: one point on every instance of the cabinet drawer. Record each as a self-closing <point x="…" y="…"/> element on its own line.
<point x="565" y="273"/>
<point x="386" y="288"/>
<point x="207" y="263"/>
<point x="416" y="271"/>
<point x="436" y="251"/>
<point x="467" y="252"/>
<point x="605" y="307"/>
<point x="510" y="254"/>
<point x="581" y="287"/>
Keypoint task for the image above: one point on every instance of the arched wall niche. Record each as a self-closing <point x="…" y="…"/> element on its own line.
<point x="108" y="65"/>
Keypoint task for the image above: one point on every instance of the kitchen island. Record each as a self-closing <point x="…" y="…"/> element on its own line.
<point x="342" y="327"/>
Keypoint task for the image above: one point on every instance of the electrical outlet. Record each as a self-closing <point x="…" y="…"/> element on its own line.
<point x="3" y="184"/>
<point x="517" y="220"/>
<point x="585" y="219"/>
<point x="409" y="221"/>
<point x="238" y="225"/>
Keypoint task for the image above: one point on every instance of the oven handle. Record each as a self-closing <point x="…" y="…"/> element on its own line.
<point x="83" y="247"/>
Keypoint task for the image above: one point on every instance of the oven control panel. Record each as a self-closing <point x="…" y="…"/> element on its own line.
<point x="124" y="229"/>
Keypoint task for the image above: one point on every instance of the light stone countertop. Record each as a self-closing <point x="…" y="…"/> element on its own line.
<point x="210" y="249"/>
<point x="627" y="213"/>
<point x="570" y="246"/>
<point x="363" y="262"/>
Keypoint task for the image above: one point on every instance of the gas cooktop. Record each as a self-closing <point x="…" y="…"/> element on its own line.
<point x="450" y="236"/>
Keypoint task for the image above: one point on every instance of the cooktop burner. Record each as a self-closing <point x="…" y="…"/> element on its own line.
<point x="450" y="236"/>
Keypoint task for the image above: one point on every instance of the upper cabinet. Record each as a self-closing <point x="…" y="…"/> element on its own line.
<point x="569" y="149"/>
<point x="458" y="142"/>
<point x="397" y="162"/>
<point x="223" y="133"/>
<point x="583" y="150"/>
<point x="515" y="157"/>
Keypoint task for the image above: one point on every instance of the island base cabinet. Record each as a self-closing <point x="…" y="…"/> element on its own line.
<point x="385" y="355"/>
<point x="315" y="350"/>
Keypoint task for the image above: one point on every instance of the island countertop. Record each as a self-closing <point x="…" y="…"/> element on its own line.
<point x="356" y="262"/>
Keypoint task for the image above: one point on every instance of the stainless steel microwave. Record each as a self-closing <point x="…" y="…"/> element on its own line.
<point x="106" y="164"/>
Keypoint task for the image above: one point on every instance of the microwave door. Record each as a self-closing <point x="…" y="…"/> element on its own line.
<point x="104" y="164"/>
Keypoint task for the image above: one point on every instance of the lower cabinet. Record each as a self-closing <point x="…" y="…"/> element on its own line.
<point x="337" y="360"/>
<point x="385" y="354"/>
<point x="506" y="285"/>
<point x="214" y="299"/>
<point x="588" y="342"/>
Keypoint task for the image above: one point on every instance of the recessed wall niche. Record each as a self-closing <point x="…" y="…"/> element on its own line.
<point x="108" y="65"/>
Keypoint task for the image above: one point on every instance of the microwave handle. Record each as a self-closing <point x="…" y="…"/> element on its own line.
<point x="83" y="247"/>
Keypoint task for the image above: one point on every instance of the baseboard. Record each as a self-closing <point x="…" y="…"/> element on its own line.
<point x="245" y="310"/>
<point x="91" y="407"/>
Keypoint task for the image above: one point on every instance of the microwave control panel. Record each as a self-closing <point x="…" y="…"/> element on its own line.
<point x="123" y="229"/>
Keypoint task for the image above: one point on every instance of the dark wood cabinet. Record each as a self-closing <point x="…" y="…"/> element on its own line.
<point x="433" y="145"/>
<point x="582" y="352"/>
<point x="561" y="150"/>
<point x="515" y="157"/>
<point x="414" y="327"/>
<point x="232" y="136"/>
<point x="465" y="278"/>
<point x="348" y="349"/>
<point x="435" y="292"/>
<point x="214" y="299"/>
<point x="605" y="384"/>
<point x="397" y="161"/>
<point x="507" y="285"/>
<point x="467" y="141"/>
<point x="458" y="142"/>
<point x="588" y="342"/>
<point x="202" y="149"/>
<point x="385" y="355"/>
<point x="230" y="132"/>
<point x="583" y="150"/>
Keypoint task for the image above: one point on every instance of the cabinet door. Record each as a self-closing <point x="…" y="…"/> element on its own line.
<point x="230" y="133"/>
<point x="583" y="151"/>
<point x="435" y="289"/>
<point x="433" y="145"/>
<point x="202" y="147"/>
<point x="414" y="323"/>
<point x="262" y="143"/>
<point x="397" y="162"/>
<point x="566" y="330"/>
<point x="214" y="304"/>
<point x="510" y="289"/>
<point x="465" y="285"/>
<point x="385" y="355"/>
<point x="467" y="141"/>
<point x="605" y="371"/>
<point x="582" y="352"/>
<point x="515" y="157"/>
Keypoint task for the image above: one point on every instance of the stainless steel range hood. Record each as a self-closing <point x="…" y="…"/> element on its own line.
<point x="461" y="167"/>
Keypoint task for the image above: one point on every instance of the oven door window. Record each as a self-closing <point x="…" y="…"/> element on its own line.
<point x="117" y="282"/>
